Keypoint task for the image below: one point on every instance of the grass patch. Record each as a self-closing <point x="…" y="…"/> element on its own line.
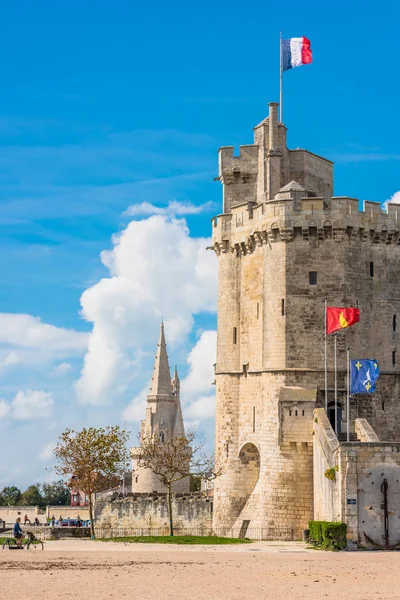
<point x="176" y="539"/>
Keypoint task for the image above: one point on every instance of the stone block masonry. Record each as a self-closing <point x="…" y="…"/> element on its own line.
<point x="150" y="512"/>
<point x="284" y="244"/>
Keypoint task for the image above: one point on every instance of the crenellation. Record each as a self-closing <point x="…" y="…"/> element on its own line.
<point x="281" y="254"/>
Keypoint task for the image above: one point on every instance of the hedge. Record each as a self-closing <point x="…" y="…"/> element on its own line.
<point x="331" y="536"/>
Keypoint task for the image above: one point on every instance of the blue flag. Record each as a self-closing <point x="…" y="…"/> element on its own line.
<point x="364" y="373"/>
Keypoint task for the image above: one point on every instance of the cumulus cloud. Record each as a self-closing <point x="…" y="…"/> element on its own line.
<point x="31" y="404"/>
<point x="173" y="208"/>
<point x="62" y="369"/>
<point x="25" y="331"/>
<point x="25" y="341"/>
<point x="27" y="405"/>
<point x="156" y="268"/>
<point x="197" y="390"/>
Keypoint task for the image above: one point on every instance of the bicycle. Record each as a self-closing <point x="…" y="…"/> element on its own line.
<point x="31" y="542"/>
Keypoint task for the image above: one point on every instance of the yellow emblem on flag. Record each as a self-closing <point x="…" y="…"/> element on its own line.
<point x="342" y="321"/>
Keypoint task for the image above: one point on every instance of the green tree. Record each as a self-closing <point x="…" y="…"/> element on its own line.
<point x="32" y="496"/>
<point x="174" y="459"/>
<point x="92" y="460"/>
<point x="55" y="493"/>
<point x="10" y="495"/>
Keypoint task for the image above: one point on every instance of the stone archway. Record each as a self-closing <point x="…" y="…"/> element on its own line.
<point x="249" y="461"/>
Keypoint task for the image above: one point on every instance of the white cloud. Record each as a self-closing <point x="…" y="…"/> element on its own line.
<point x="135" y="411"/>
<point x="4" y="409"/>
<point x="31" y="404"/>
<point x="197" y="391"/>
<point x="173" y="208"/>
<point x="156" y="269"/>
<point x="62" y="369"/>
<point x="47" y="451"/>
<point x="25" y="331"/>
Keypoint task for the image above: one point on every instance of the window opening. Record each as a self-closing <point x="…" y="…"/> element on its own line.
<point x="254" y="419"/>
<point x="162" y="437"/>
<point x="394" y="323"/>
<point x="393" y="358"/>
<point x="371" y="269"/>
<point x="283" y="307"/>
<point x="234" y="335"/>
<point x="312" y="277"/>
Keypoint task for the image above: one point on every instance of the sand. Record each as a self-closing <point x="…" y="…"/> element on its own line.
<point x="259" y="571"/>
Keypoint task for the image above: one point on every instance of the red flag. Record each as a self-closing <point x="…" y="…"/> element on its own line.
<point x="340" y="318"/>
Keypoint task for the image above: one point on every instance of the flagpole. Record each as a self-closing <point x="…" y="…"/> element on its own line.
<point x="348" y="395"/>
<point x="336" y="406"/>
<point x="326" y="362"/>
<point x="280" y="81"/>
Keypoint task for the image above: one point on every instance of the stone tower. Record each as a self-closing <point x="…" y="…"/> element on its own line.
<point x="163" y="420"/>
<point x="284" y="244"/>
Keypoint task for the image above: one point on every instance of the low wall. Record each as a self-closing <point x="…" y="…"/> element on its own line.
<point x="190" y="511"/>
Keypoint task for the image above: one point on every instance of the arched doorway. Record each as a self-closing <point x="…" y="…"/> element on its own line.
<point x="249" y="458"/>
<point x="331" y="416"/>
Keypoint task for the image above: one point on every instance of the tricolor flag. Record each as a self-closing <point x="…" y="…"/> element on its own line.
<point x="296" y="52"/>
<point x="340" y="318"/>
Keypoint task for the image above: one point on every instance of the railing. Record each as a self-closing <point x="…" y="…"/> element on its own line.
<point x="253" y="533"/>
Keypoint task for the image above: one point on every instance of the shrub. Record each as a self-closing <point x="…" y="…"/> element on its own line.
<point x="331" y="473"/>
<point x="328" y="535"/>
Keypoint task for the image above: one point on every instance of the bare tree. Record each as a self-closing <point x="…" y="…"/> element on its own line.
<point x="172" y="460"/>
<point x="92" y="460"/>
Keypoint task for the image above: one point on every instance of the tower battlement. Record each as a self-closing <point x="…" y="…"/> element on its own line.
<point x="284" y="219"/>
<point x="286" y="245"/>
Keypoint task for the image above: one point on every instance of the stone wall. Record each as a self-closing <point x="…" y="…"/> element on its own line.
<point x="191" y="511"/>
<point x="356" y="496"/>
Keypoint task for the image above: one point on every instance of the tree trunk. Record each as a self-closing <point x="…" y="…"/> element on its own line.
<point x="91" y="516"/>
<point x="171" y="522"/>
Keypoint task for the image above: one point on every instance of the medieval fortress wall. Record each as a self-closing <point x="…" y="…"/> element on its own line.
<point x="284" y="244"/>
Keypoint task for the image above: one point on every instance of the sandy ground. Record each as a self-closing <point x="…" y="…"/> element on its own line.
<point x="258" y="571"/>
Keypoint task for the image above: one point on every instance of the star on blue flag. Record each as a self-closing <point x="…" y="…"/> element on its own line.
<point x="364" y="373"/>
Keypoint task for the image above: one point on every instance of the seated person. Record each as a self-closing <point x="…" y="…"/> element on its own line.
<point x="17" y="532"/>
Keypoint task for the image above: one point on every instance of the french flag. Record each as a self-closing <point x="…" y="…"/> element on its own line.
<point x="296" y="52"/>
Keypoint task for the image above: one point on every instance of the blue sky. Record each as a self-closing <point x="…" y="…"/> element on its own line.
<point x="109" y="105"/>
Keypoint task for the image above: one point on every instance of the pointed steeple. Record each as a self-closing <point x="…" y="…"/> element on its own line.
<point x="161" y="382"/>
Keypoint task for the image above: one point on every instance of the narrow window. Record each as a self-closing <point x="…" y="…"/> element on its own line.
<point x="254" y="419"/>
<point x="371" y="269"/>
<point x="234" y="335"/>
<point x="258" y="310"/>
<point x="394" y="323"/>
<point x="383" y="405"/>
<point x="290" y="413"/>
<point x="162" y="437"/>
<point x="245" y="369"/>
<point x="227" y="449"/>
<point x="393" y="358"/>
<point x="312" y="277"/>
<point x="283" y="307"/>
<point x="295" y="413"/>
<point x="302" y="413"/>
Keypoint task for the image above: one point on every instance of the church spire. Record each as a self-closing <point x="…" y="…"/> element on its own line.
<point x="161" y="382"/>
